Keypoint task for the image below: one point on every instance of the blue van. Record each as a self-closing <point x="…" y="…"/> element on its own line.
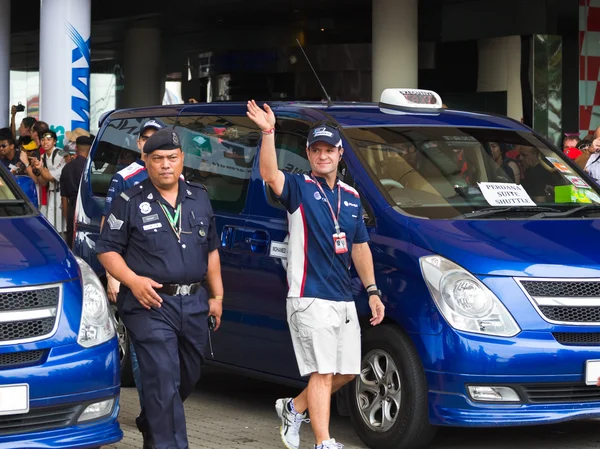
<point x="59" y="359"/>
<point x="488" y="262"/>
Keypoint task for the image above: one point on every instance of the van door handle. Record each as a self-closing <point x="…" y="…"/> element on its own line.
<point x="259" y="242"/>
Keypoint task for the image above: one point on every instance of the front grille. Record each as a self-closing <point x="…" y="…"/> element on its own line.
<point x="39" y="419"/>
<point x="569" y="289"/>
<point x="577" y="338"/>
<point x="571" y="314"/>
<point x="29" y="299"/>
<point x="20" y="359"/>
<point x="564" y="392"/>
<point x="19" y="330"/>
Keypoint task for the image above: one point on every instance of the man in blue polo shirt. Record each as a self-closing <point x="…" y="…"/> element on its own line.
<point x="124" y="179"/>
<point x="326" y="228"/>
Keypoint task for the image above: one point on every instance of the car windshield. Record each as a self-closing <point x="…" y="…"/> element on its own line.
<point x="447" y="172"/>
<point x="11" y="203"/>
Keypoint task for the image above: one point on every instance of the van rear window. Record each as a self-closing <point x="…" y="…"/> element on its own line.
<point x="219" y="153"/>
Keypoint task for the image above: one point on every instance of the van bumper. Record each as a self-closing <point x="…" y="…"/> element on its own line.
<point x="548" y="378"/>
<point x="60" y="389"/>
<point x="458" y="409"/>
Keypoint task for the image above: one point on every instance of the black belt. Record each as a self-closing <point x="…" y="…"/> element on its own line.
<point x="180" y="289"/>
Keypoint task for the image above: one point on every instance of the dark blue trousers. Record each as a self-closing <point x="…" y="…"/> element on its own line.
<point x="170" y="342"/>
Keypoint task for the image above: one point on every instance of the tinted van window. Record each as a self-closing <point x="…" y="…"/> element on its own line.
<point x="219" y="153"/>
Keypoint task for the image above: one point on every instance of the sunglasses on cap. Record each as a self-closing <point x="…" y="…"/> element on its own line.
<point x="47" y="136"/>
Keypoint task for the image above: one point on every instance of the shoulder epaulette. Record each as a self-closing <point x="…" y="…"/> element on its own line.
<point x="196" y="184"/>
<point x="132" y="191"/>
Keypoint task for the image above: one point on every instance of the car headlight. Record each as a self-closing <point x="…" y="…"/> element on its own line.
<point x="464" y="301"/>
<point x="96" y="325"/>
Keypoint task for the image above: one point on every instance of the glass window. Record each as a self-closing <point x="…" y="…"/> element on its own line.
<point x="219" y="153"/>
<point x="444" y="172"/>
<point x="12" y="203"/>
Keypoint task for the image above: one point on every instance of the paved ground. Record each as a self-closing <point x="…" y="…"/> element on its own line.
<point x="229" y="411"/>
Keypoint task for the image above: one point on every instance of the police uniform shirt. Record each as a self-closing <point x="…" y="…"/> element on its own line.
<point x="124" y="179"/>
<point x="138" y="229"/>
<point x="314" y="268"/>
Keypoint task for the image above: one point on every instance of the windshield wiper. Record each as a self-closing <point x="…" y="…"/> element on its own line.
<point x="490" y="211"/>
<point x="11" y="202"/>
<point x="568" y="213"/>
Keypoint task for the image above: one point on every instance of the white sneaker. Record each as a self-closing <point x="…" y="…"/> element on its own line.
<point x="330" y="444"/>
<point x="290" y="423"/>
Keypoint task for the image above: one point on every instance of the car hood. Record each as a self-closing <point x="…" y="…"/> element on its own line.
<point x="31" y="252"/>
<point x="548" y="248"/>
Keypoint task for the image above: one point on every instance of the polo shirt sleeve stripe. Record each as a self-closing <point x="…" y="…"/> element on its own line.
<point x="297" y="253"/>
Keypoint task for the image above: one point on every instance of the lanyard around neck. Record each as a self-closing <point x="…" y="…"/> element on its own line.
<point x="333" y="215"/>
<point x="174" y="221"/>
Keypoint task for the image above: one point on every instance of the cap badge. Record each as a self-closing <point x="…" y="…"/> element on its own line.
<point x="175" y="139"/>
<point x="145" y="208"/>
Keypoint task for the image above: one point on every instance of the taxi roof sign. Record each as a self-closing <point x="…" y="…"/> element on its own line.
<point x="411" y="99"/>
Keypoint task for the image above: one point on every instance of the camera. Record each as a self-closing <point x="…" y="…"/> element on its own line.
<point x="19" y="107"/>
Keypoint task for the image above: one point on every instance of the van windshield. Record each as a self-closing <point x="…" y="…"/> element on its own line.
<point x="448" y="172"/>
<point x="11" y="203"/>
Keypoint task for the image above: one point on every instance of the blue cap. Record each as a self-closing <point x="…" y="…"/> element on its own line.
<point x="163" y="139"/>
<point x="324" y="133"/>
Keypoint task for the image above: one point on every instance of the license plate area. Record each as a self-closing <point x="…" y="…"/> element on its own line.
<point x="592" y="372"/>
<point x="14" y="399"/>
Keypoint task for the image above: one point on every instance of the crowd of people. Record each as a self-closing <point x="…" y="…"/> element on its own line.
<point x="585" y="152"/>
<point x="56" y="172"/>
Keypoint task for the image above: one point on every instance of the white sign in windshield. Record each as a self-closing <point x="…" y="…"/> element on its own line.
<point x="504" y="194"/>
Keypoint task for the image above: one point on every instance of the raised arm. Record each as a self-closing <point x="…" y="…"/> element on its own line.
<point x="269" y="172"/>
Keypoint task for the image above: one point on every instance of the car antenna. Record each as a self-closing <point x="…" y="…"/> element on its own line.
<point x="329" y="103"/>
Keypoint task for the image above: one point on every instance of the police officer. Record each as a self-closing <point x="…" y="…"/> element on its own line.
<point x="160" y="242"/>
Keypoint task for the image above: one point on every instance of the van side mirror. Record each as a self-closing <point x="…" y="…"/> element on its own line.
<point x="28" y="186"/>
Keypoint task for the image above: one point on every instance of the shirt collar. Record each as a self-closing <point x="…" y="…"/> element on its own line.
<point x="322" y="180"/>
<point x="152" y="194"/>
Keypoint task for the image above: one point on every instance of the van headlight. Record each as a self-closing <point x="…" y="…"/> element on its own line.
<point x="96" y="325"/>
<point x="464" y="301"/>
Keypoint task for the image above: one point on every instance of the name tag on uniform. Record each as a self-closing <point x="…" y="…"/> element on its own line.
<point x="152" y="226"/>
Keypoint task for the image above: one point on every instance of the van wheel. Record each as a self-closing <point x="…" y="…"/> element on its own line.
<point x="388" y="401"/>
<point x="127" y="379"/>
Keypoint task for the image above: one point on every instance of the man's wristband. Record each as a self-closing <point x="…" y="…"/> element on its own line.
<point x="220" y="298"/>
<point x="270" y="131"/>
<point x="371" y="287"/>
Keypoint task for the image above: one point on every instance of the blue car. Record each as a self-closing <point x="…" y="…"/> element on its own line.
<point x="59" y="359"/>
<point x="484" y="239"/>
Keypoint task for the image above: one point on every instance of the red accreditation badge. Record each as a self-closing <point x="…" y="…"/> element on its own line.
<point x="339" y="243"/>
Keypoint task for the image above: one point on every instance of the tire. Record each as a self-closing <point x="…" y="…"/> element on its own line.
<point x="127" y="379"/>
<point x="392" y="351"/>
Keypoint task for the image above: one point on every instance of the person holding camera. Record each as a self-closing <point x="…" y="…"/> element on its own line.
<point x="15" y="160"/>
<point x="160" y="242"/>
<point x="327" y="234"/>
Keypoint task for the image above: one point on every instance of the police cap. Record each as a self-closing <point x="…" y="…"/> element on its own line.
<point x="163" y="139"/>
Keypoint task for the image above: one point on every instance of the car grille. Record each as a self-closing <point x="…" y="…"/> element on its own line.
<point x="572" y="314"/>
<point x="564" y="392"/>
<point x="562" y="288"/>
<point x="29" y="299"/>
<point x="565" y="302"/>
<point x="28" y="314"/>
<point x="577" y="338"/>
<point x="20" y="359"/>
<point x="39" y="419"/>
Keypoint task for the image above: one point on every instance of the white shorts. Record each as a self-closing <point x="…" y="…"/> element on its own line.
<point x="325" y="334"/>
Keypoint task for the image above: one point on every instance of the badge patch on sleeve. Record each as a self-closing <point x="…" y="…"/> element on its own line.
<point x="114" y="223"/>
